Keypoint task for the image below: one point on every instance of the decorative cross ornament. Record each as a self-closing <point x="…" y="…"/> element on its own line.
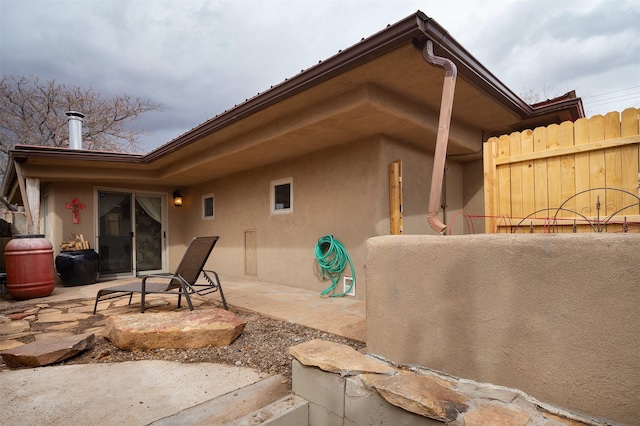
<point x="75" y="205"/>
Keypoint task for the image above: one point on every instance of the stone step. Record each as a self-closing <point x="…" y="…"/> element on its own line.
<point x="228" y="408"/>
<point x="287" y="411"/>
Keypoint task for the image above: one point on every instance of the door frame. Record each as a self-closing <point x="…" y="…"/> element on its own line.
<point x="164" y="197"/>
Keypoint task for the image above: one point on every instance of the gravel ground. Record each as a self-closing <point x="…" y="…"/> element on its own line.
<point x="262" y="346"/>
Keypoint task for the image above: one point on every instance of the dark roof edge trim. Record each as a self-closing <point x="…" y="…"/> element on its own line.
<point x="20" y="152"/>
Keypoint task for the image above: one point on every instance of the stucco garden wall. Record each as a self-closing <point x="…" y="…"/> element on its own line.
<point x="556" y="316"/>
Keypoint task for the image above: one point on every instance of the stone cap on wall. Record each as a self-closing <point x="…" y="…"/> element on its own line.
<point x="432" y="395"/>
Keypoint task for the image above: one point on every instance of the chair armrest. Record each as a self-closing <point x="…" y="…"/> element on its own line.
<point x="165" y="276"/>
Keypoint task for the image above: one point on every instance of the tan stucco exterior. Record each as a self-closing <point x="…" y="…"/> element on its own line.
<point x="556" y="316"/>
<point x="342" y="191"/>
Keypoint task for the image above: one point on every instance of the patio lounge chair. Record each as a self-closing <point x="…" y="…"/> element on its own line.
<point x="184" y="280"/>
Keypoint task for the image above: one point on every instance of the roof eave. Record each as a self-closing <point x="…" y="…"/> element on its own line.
<point x="24" y="152"/>
<point x="345" y="60"/>
<point x="417" y="28"/>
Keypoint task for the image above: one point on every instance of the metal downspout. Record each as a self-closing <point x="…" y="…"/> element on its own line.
<point x="442" y="138"/>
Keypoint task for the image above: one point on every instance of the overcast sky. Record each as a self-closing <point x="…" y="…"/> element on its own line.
<point x="199" y="58"/>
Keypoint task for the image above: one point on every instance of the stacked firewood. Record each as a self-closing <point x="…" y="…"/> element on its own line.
<point x="76" y="243"/>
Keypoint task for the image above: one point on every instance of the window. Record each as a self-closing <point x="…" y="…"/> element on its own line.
<point x="208" y="206"/>
<point x="282" y="196"/>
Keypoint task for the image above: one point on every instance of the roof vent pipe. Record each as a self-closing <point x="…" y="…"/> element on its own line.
<point x="75" y="129"/>
<point x="442" y="138"/>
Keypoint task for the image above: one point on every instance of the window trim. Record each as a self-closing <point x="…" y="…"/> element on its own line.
<point x="213" y="201"/>
<point x="272" y="197"/>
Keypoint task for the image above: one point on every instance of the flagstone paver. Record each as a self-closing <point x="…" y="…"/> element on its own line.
<point x="18" y="335"/>
<point x="53" y="335"/>
<point x="9" y="344"/>
<point x="62" y="317"/>
<point x="49" y="310"/>
<point x="63" y="326"/>
<point x="82" y="309"/>
<point x="47" y="350"/>
<point x="14" y="327"/>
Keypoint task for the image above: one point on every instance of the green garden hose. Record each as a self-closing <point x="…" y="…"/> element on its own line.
<point x="332" y="258"/>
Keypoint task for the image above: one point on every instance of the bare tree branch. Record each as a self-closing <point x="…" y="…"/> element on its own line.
<point x="33" y="112"/>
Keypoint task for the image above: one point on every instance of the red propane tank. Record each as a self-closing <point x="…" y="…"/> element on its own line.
<point x="30" y="270"/>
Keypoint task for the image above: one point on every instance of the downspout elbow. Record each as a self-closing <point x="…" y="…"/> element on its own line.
<point x="442" y="138"/>
<point x="450" y="69"/>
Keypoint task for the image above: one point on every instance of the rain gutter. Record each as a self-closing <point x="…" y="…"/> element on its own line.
<point x="442" y="138"/>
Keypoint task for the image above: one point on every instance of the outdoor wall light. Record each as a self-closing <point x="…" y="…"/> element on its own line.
<point x="177" y="198"/>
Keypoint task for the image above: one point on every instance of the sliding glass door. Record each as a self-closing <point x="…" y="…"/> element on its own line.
<point x="131" y="233"/>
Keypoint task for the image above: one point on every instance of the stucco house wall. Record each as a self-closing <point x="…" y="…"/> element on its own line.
<point x="59" y="221"/>
<point x="342" y="191"/>
<point x="555" y="315"/>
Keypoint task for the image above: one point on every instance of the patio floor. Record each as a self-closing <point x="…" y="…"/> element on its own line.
<point x="342" y="316"/>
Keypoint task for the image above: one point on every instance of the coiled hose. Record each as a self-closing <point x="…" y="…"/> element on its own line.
<point x="332" y="259"/>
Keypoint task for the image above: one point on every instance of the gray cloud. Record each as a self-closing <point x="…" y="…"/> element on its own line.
<point x="199" y="58"/>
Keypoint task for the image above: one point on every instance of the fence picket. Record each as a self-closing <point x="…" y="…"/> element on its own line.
<point x="528" y="177"/>
<point x="504" y="181"/>
<point x="567" y="171"/>
<point x="490" y="184"/>
<point x="630" y="126"/>
<point x="582" y="176"/>
<point x="516" y="190"/>
<point x="554" y="175"/>
<point x="613" y="166"/>
<point x="541" y="178"/>
<point x="597" y="165"/>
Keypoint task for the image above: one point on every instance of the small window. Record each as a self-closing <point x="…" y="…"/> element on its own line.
<point x="208" y="206"/>
<point x="282" y="196"/>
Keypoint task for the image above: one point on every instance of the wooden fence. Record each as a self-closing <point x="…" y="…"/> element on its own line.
<point x="551" y="179"/>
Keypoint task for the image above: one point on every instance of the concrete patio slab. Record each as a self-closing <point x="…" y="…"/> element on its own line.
<point x="131" y="393"/>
